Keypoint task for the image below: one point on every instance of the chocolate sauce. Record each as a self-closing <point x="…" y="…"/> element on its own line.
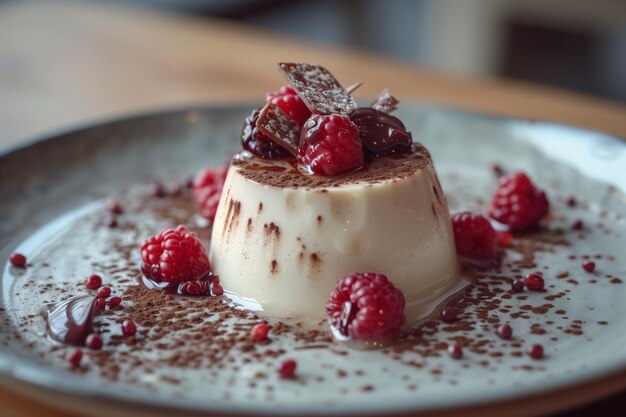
<point x="70" y="321"/>
<point x="381" y="133"/>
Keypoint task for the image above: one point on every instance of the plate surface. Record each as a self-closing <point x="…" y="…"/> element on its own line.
<point x="52" y="187"/>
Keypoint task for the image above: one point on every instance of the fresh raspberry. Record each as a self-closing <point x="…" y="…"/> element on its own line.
<point x="474" y="236"/>
<point x="174" y="256"/>
<point x="330" y="144"/>
<point x="257" y="143"/>
<point x="366" y="306"/>
<point x="290" y="103"/>
<point x="517" y="203"/>
<point x="207" y="189"/>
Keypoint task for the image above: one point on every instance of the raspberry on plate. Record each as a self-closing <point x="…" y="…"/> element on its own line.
<point x="517" y="203"/>
<point x="207" y="188"/>
<point x="366" y="306"/>
<point x="474" y="236"/>
<point x="290" y="103"/>
<point x="330" y="145"/>
<point x="174" y="256"/>
<point x="259" y="144"/>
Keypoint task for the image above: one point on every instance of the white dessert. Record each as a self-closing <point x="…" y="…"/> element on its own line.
<point x="285" y="246"/>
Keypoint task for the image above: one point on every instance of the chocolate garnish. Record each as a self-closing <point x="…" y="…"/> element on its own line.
<point x="385" y="102"/>
<point x="279" y="127"/>
<point x="70" y="321"/>
<point x="380" y="133"/>
<point x="317" y="88"/>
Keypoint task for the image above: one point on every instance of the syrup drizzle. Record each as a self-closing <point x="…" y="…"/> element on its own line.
<point x="70" y="321"/>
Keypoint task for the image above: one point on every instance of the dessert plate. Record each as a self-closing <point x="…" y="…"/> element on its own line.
<point x="53" y="194"/>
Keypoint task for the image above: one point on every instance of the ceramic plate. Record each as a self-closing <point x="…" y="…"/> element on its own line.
<point x="52" y="207"/>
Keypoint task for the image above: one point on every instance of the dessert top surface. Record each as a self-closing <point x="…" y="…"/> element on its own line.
<point x="285" y="174"/>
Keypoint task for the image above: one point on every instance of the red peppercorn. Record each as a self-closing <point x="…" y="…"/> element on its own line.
<point x="259" y="332"/>
<point x="114" y="301"/>
<point x="93" y="341"/>
<point x="17" y="260"/>
<point x="455" y="351"/>
<point x="448" y="314"/>
<point x="115" y="207"/>
<point x="93" y="282"/>
<point x="535" y="351"/>
<point x="589" y="266"/>
<point x="74" y="357"/>
<point x="101" y="303"/>
<point x="112" y="223"/>
<point x="103" y="292"/>
<point x="129" y="328"/>
<point x="534" y="282"/>
<point x="505" y="332"/>
<point x="517" y="285"/>
<point x="156" y="190"/>
<point x="572" y="202"/>
<point x="287" y="369"/>
<point x="578" y="225"/>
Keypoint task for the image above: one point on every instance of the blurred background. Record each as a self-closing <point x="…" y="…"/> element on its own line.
<point x="578" y="45"/>
<point x="70" y="62"/>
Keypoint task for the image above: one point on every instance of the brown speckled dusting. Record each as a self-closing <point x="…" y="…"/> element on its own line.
<point x="381" y="169"/>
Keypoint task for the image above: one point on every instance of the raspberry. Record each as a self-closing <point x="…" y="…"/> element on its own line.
<point x="194" y="288"/>
<point x="330" y="145"/>
<point x="366" y="306"/>
<point x="256" y="142"/>
<point x="174" y="256"/>
<point x="207" y="189"/>
<point x="517" y="203"/>
<point x="290" y="103"/>
<point x="474" y="236"/>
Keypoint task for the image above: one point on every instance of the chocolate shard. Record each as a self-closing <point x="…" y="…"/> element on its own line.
<point x="317" y="88"/>
<point x="279" y="127"/>
<point x="385" y="102"/>
<point x="351" y="88"/>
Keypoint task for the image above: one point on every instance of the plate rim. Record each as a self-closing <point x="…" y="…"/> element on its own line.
<point x="30" y="372"/>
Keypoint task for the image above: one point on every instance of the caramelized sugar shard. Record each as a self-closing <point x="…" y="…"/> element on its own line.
<point x="385" y="102"/>
<point x="317" y="87"/>
<point x="279" y="127"/>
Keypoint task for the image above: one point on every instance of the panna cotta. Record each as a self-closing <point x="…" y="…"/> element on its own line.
<point x="283" y="239"/>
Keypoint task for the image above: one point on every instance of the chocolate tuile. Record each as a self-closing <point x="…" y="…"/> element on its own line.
<point x="275" y="124"/>
<point x="318" y="88"/>
<point x="385" y="102"/>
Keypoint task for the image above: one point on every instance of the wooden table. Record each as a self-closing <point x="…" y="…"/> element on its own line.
<point x="64" y="64"/>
